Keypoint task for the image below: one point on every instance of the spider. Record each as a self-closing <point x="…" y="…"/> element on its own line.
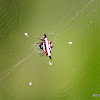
<point x="46" y="46"/>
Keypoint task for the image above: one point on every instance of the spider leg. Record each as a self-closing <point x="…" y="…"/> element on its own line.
<point x="38" y="43"/>
<point x="40" y="39"/>
<point x="42" y="54"/>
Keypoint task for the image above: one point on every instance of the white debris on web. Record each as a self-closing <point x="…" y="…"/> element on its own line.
<point x="70" y="42"/>
<point x="50" y="63"/>
<point x="91" y="21"/>
<point x="26" y="34"/>
<point x="30" y="83"/>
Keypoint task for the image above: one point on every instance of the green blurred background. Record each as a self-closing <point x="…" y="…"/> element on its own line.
<point x="75" y="70"/>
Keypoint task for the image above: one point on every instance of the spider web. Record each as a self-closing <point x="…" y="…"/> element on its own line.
<point x="10" y="16"/>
